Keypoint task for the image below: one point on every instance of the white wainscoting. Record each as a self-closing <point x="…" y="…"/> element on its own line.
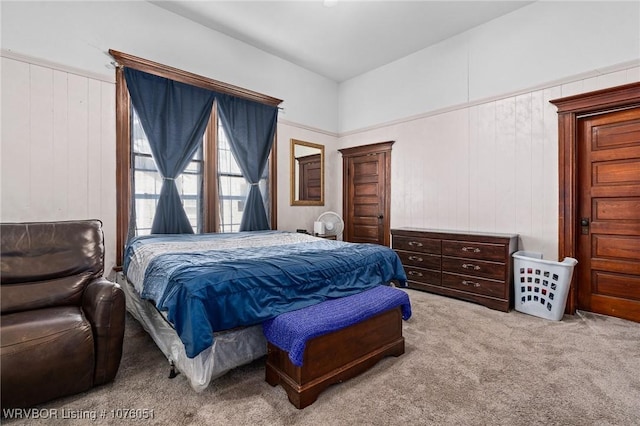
<point x="490" y="166"/>
<point x="58" y="147"/>
<point x="486" y="167"/>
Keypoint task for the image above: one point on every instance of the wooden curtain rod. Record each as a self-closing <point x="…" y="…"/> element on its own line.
<point x="155" y="68"/>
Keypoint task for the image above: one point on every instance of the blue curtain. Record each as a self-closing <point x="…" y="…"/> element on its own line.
<point x="174" y="117"/>
<point x="250" y="127"/>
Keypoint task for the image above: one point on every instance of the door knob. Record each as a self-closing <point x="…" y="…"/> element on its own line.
<point x="380" y="217"/>
<point x="584" y="226"/>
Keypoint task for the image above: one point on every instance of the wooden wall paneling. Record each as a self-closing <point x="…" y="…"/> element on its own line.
<point x="60" y="130"/>
<point x="446" y="164"/>
<point x="16" y="175"/>
<point x="399" y="196"/>
<point x="505" y="167"/>
<point x="108" y="161"/>
<point x="94" y="150"/>
<point x="433" y="177"/>
<point x="58" y="145"/>
<point x="428" y="167"/>
<point x="415" y="157"/>
<point x="461" y="174"/>
<point x="408" y="200"/>
<point x="485" y="160"/>
<point x="538" y="192"/>
<point x="550" y="177"/>
<point x="77" y="185"/>
<point x="439" y="178"/>
<point x="522" y="166"/>
<point x="402" y="163"/>
<point x="42" y="188"/>
<point x="473" y="165"/>
<point x="454" y="128"/>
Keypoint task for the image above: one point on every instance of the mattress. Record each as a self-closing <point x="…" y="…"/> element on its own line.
<point x="230" y="349"/>
<point x="213" y="282"/>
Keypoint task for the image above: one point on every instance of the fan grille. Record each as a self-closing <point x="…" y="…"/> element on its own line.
<point x="333" y="223"/>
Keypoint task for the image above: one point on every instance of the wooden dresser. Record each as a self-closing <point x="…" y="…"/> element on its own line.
<point x="471" y="266"/>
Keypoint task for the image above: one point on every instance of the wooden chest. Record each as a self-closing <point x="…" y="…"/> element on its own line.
<point x="470" y="266"/>
<point x="336" y="357"/>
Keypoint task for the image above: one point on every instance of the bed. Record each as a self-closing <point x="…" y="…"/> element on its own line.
<point x="203" y="298"/>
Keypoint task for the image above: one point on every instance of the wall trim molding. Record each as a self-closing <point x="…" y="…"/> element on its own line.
<point x="305" y="127"/>
<point x="571" y="79"/>
<point x="10" y="54"/>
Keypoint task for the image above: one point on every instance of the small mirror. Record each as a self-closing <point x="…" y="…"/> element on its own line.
<point x="307" y="173"/>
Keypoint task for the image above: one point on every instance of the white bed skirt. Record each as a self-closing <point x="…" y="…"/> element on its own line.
<point x="230" y="349"/>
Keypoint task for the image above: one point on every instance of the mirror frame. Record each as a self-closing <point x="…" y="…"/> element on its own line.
<point x="292" y="177"/>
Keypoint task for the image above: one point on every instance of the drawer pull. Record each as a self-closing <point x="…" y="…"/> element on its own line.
<point x="473" y="249"/>
<point x="465" y="282"/>
<point x="416" y="258"/>
<point x="470" y="266"/>
<point x="415" y="244"/>
<point x="417" y="274"/>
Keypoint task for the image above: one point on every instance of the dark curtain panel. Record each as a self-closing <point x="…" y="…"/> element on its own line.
<point x="174" y="116"/>
<point x="250" y="127"/>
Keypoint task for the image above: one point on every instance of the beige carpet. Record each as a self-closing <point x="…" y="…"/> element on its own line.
<point x="464" y="365"/>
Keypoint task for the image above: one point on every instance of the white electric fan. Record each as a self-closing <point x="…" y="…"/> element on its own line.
<point x="329" y="223"/>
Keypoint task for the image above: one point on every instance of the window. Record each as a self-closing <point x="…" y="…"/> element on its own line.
<point x="147" y="183"/>
<point x="212" y="188"/>
<point x="233" y="188"/>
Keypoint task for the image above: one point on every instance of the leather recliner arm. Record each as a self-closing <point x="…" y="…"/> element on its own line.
<point x="103" y="303"/>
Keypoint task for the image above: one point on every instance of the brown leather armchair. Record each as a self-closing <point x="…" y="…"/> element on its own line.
<point x="62" y="323"/>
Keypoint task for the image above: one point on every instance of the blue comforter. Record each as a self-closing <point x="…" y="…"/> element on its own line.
<point x="214" y="290"/>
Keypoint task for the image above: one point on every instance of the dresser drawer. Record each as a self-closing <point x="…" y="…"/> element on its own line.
<point x="471" y="266"/>
<point x="473" y="250"/>
<point x="422" y="275"/>
<point x="422" y="245"/>
<point x="419" y="260"/>
<point x="474" y="285"/>
<point x="478" y="268"/>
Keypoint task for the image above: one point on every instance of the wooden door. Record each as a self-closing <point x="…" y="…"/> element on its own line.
<point x="366" y="193"/>
<point x="608" y="236"/>
<point x="572" y="113"/>
<point x="310" y="178"/>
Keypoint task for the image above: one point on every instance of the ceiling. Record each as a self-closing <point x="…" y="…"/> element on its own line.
<point x="346" y="39"/>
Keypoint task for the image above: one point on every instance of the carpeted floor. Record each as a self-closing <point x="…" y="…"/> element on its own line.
<point x="464" y="365"/>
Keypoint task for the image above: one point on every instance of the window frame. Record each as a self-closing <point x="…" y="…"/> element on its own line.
<point x="123" y="144"/>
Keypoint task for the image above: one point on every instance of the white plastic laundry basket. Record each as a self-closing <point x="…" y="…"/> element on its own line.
<point x="541" y="286"/>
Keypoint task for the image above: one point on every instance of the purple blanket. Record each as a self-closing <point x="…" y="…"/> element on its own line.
<point x="291" y="330"/>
